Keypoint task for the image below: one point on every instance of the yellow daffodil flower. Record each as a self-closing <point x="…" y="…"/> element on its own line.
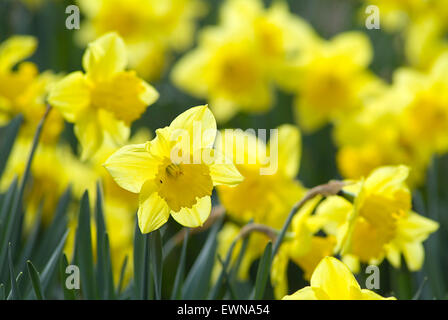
<point x="103" y="102"/>
<point x="380" y="222"/>
<point x="169" y="184"/>
<point x="264" y="198"/>
<point x="152" y="29"/>
<point x="23" y="91"/>
<point x="303" y="247"/>
<point x="333" y="80"/>
<point x="332" y="280"/>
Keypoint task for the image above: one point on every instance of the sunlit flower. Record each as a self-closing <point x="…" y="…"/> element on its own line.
<point x="380" y="223"/>
<point x="151" y="29"/>
<point x="332" y="80"/>
<point x="332" y="280"/>
<point x="263" y="198"/>
<point x="168" y="184"/>
<point x="103" y="102"/>
<point x="23" y="91"/>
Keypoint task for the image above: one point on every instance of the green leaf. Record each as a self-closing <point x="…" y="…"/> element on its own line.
<point x="63" y="264"/>
<point x="83" y="250"/>
<point x="263" y="272"/>
<point x="227" y="279"/>
<point x="122" y="272"/>
<point x="217" y="287"/>
<point x="146" y="272"/>
<point x="108" y="284"/>
<point x="178" y="281"/>
<point x="14" y="294"/>
<point x="156" y="254"/>
<point x="197" y="283"/>
<point x="49" y="270"/>
<point x="139" y="260"/>
<point x="35" y="280"/>
<point x="2" y="292"/>
<point x="104" y="263"/>
<point x="8" y="139"/>
<point x="7" y="222"/>
<point x="54" y="231"/>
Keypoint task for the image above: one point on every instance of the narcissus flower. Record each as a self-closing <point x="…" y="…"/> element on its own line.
<point x="333" y="80"/>
<point x="23" y="90"/>
<point x="332" y="280"/>
<point x="264" y="197"/>
<point x="380" y="223"/>
<point x="303" y="247"/>
<point x="152" y="29"/>
<point x="169" y="184"/>
<point x="103" y="102"/>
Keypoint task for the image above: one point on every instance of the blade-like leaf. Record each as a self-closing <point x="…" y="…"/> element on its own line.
<point x="156" y="254"/>
<point x="7" y="142"/>
<point x="69" y="294"/>
<point x="263" y="272"/>
<point x="122" y="272"/>
<point x="35" y="280"/>
<point x="178" y="281"/>
<point x="14" y="294"/>
<point x="197" y="283"/>
<point x="49" y="270"/>
<point x="83" y="250"/>
<point x="54" y="232"/>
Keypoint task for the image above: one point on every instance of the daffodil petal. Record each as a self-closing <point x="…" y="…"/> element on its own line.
<point x="70" y="96"/>
<point x="224" y="172"/>
<point x="131" y="166"/>
<point x="153" y="211"/>
<point x="16" y="49"/>
<point x="200" y="125"/>
<point x="105" y="56"/>
<point x="195" y="216"/>
<point x="89" y="134"/>
<point x="334" y="278"/>
<point x="306" y="293"/>
<point x="289" y="150"/>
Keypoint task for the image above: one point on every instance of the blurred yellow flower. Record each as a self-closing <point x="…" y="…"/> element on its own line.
<point x="169" y="184"/>
<point x="152" y="29"/>
<point x="263" y="198"/>
<point x="237" y="62"/>
<point x="23" y="91"/>
<point x="303" y="247"/>
<point x="332" y="80"/>
<point x="332" y="280"/>
<point x="103" y="102"/>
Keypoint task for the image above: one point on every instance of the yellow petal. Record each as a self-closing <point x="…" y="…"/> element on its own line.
<point x="105" y="56"/>
<point x="195" y="216"/>
<point x="131" y="166"/>
<point x="16" y="49"/>
<point x="90" y="135"/>
<point x="115" y="131"/>
<point x="71" y="96"/>
<point x="289" y="149"/>
<point x="414" y="254"/>
<point x="356" y="45"/>
<point x="334" y="278"/>
<point x="370" y="295"/>
<point x="224" y="172"/>
<point x="200" y="125"/>
<point x="306" y="293"/>
<point x="153" y="211"/>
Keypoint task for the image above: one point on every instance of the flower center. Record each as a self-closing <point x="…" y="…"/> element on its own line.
<point x="181" y="185"/>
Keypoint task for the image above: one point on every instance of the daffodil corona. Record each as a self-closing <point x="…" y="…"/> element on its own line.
<point x="169" y="184"/>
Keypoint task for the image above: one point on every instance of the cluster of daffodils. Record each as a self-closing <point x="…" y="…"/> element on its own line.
<point x="238" y="62"/>
<point x="386" y="134"/>
<point x="153" y="30"/>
